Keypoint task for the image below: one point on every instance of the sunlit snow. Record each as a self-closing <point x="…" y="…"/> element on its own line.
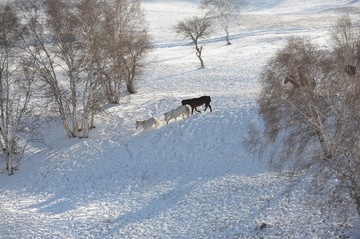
<point x="191" y="178"/>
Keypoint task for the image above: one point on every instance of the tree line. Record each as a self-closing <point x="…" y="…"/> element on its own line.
<point x="68" y="57"/>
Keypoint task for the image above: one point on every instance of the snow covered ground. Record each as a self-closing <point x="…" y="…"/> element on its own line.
<point x="188" y="179"/>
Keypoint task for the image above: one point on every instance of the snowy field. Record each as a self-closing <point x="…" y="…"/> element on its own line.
<point x="188" y="179"/>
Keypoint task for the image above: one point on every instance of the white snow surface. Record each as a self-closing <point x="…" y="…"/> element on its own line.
<point x="191" y="178"/>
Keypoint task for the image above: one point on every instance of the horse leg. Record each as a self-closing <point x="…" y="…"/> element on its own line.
<point x="197" y="110"/>
<point x="206" y="106"/>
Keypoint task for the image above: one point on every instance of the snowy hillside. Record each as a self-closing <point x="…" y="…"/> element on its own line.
<point x="188" y="179"/>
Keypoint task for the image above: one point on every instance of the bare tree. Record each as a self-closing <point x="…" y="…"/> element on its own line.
<point x="311" y="124"/>
<point x="194" y="29"/>
<point x="128" y="42"/>
<point x="92" y="34"/>
<point x="225" y="12"/>
<point x="37" y="48"/>
<point x="346" y="43"/>
<point x="16" y="88"/>
<point x="132" y="60"/>
<point x="63" y="24"/>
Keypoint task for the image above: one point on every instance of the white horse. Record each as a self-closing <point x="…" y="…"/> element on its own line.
<point x="174" y="113"/>
<point x="145" y="124"/>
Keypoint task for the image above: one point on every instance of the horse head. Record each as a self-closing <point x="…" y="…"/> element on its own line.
<point x="291" y="79"/>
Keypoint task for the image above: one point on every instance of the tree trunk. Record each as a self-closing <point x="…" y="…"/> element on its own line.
<point x="227" y="37"/>
<point x="9" y="165"/>
<point x="62" y="112"/>
<point x="85" y="124"/>
<point x="198" y="54"/>
<point x="73" y="88"/>
<point x="92" y="125"/>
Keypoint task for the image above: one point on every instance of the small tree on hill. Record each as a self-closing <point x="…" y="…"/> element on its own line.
<point x="311" y="113"/>
<point x="194" y="29"/>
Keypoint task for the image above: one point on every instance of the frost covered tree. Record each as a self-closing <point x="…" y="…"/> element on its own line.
<point x="310" y="108"/>
<point x="225" y="12"/>
<point x="194" y="29"/>
<point x="17" y="115"/>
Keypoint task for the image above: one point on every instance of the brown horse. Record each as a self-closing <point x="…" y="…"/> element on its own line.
<point x="304" y="82"/>
<point x="195" y="102"/>
<point x="350" y="70"/>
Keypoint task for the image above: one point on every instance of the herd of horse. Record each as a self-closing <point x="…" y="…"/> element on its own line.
<point x="193" y="103"/>
<point x="183" y="110"/>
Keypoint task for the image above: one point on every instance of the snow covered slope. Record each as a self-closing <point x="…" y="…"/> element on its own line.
<point x="188" y="179"/>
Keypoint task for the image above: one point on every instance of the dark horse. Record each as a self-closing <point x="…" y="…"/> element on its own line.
<point x="350" y="70"/>
<point x="195" y="102"/>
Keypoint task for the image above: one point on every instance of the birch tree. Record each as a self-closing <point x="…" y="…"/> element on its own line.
<point x="37" y="48"/>
<point x="128" y="43"/>
<point x="17" y="114"/>
<point x="63" y="25"/>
